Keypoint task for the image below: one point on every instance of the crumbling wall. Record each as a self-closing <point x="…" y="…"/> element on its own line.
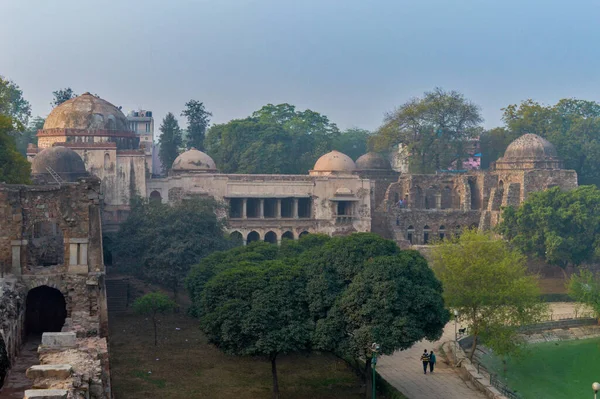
<point x="12" y="319"/>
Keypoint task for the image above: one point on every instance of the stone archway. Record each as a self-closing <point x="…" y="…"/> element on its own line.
<point x="271" y="237"/>
<point x="253" y="236"/>
<point x="46" y="310"/>
<point x="288" y="235"/>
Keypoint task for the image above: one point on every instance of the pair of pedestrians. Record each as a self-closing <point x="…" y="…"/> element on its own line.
<point x="428" y="359"/>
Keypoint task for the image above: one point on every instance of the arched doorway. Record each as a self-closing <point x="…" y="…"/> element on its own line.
<point x="236" y="237"/>
<point x="303" y="234"/>
<point x="107" y="248"/>
<point x="288" y="235"/>
<point x="271" y="237"/>
<point x="46" y="310"/>
<point x="155" y="196"/>
<point x="426" y="233"/>
<point x="253" y="236"/>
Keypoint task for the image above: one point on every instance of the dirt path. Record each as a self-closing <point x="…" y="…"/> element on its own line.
<point x="16" y="383"/>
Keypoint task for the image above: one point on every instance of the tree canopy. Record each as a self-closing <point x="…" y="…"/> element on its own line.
<point x="14" y="114"/>
<point x="436" y="129"/>
<point x="160" y="242"/>
<point x="343" y="294"/>
<point x="153" y="304"/>
<point x="62" y="95"/>
<point x="198" y="119"/>
<point x="584" y="287"/>
<point x="13" y="105"/>
<point x="170" y="141"/>
<point x="560" y="227"/>
<point x="276" y="139"/>
<point x="487" y="283"/>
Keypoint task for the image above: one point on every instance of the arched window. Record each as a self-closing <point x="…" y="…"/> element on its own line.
<point x="397" y="221"/>
<point x="155" y="196"/>
<point x="426" y="232"/>
<point x="106" y="161"/>
<point x="410" y="232"/>
<point x="271" y="237"/>
<point x="253" y="236"/>
<point x="288" y="235"/>
<point x="304" y="233"/>
<point x="236" y="237"/>
<point x="442" y="232"/>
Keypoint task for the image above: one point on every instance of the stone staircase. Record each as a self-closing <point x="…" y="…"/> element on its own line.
<point x="117" y="294"/>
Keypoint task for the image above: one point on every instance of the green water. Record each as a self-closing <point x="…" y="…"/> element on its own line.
<point x="553" y="370"/>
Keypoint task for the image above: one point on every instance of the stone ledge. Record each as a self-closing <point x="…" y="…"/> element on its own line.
<point x="59" y="340"/>
<point x="57" y="371"/>
<point x="46" y="394"/>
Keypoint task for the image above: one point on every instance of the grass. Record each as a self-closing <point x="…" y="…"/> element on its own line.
<point x="557" y="370"/>
<point x="184" y="365"/>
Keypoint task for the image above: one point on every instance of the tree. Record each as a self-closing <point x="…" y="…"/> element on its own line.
<point x="154" y="304"/>
<point x="560" y="227"/>
<point x="258" y="311"/>
<point x="29" y="135"/>
<point x="14" y="168"/>
<point x="584" y="287"/>
<point x="572" y="125"/>
<point x="275" y="139"/>
<point x="62" y="95"/>
<point x="352" y="142"/>
<point x="493" y="143"/>
<point x="160" y="242"/>
<point x="487" y="283"/>
<point x="170" y="140"/>
<point x="198" y="119"/>
<point x="13" y="105"/>
<point x="435" y="128"/>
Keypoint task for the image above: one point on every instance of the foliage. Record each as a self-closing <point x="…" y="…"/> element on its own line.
<point x="352" y="142"/>
<point x="493" y="143"/>
<point x="29" y="135"/>
<point x="160" y="242"/>
<point x="14" y="167"/>
<point x="487" y="283"/>
<point x="258" y="311"/>
<point x="436" y="129"/>
<point x="561" y="227"/>
<point x="169" y="141"/>
<point x="585" y="288"/>
<point x="13" y="105"/>
<point x="152" y="304"/>
<point x="572" y="125"/>
<point x="275" y="139"/>
<point x="62" y="95"/>
<point x="198" y="119"/>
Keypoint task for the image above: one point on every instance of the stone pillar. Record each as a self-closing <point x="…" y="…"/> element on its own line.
<point x="279" y="241"/>
<point x="18" y="247"/>
<point x="244" y="242"/>
<point x="295" y="208"/>
<point x="438" y="201"/>
<point x="244" y="205"/>
<point x="261" y="210"/>
<point x="278" y="215"/>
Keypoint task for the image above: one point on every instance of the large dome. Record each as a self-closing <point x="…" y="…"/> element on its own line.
<point x="529" y="151"/>
<point x="87" y="112"/>
<point x="334" y="161"/>
<point x="194" y="161"/>
<point x="60" y="160"/>
<point x="372" y="161"/>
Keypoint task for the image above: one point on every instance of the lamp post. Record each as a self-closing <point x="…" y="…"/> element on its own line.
<point x="374" y="349"/>
<point x="596" y="388"/>
<point x="455" y="325"/>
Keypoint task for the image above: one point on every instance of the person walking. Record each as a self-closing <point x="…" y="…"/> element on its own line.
<point x="425" y="360"/>
<point x="432" y="361"/>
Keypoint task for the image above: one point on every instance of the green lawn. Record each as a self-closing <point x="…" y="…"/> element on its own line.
<point x="557" y="370"/>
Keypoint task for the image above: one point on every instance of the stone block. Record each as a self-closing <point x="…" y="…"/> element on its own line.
<point x="57" y="371"/>
<point x="59" y="340"/>
<point x="78" y="269"/>
<point x="46" y="394"/>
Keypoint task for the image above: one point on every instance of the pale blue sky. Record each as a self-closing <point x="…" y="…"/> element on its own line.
<point x="351" y="60"/>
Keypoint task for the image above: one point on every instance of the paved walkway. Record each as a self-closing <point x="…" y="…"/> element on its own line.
<point x="16" y="382"/>
<point x="404" y="370"/>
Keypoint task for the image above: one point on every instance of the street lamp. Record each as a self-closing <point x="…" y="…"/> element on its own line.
<point x="455" y="325"/>
<point x="596" y="388"/>
<point x="374" y="349"/>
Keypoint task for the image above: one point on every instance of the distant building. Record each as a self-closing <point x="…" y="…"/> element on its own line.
<point x="142" y="123"/>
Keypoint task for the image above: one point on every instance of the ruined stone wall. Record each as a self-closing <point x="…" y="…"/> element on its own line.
<point x="12" y="319"/>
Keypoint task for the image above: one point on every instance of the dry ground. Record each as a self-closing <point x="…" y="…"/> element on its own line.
<point x="183" y="365"/>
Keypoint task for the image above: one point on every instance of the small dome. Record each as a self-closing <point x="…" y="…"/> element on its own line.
<point x="64" y="161"/>
<point x="372" y="160"/>
<point x="334" y="161"/>
<point x="194" y="160"/>
<point x="530" y="146"/>
<point x="87" y="112"/>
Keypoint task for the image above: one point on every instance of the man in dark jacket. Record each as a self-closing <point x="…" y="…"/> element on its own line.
<point x="432" y="361"/>
<point x="425" y="360"/>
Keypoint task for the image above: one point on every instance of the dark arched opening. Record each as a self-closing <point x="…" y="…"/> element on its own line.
<point x="426" y="232"/>
<point x="46" y="310"/>
<point x="288" y="235"/>
<point x="155" y="196"/>
<point x="410" y="232"/>
<point x="303" y="234"/>
<point x="271" y="237"/>
<point x="107" y="248"/>
<point x="4" y="362"/>
<point x="442" y="232"/>
<point x="253" y="236"/>
<point x="236" y="237"/>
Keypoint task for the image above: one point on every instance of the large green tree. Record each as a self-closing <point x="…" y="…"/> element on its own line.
<point x="14" y="114"/>
<point x="572" y="125"/>
<point x="198" y="119"/>
<point x="487" y="283"/>
<point x="62" y="95"/>
<point x="160" y="242"/>
<point x="493" y="143"/>
<point x="275" y="139"/>
<point x="560" y="227"/>
<point x="13" y="105"/>
<point x="29" y="135"/>
<point x="352" y="142"/>
<point x="584" y="287"/>
<point x="170" y="141"/>
<point x="436" y="128"/>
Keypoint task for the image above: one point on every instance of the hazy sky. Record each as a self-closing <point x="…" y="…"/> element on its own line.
<point x="351" y="60"/>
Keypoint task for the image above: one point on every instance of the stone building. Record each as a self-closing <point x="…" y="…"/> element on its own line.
<point x="434" y="206"/>
<point x="100" y="133"/>
<point x="141" y="122"/>
<point x="51" y="262"/>
<point x="332" y="199"/>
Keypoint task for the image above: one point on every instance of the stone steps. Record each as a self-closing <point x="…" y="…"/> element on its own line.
<point x="117" y="294"/>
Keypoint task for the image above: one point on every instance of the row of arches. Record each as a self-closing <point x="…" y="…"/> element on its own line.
<point x="426" y="235"/>
<point x="269" y="236"/>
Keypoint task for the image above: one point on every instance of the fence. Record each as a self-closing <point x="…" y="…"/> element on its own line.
<point x="500" y="386"/>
